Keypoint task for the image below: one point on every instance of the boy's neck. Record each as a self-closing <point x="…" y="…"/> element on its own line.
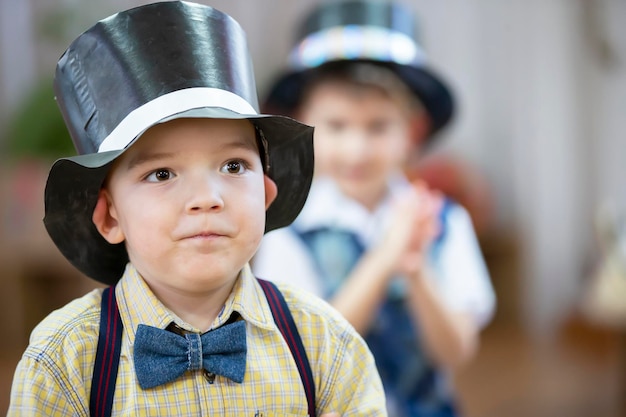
<point x="371" y="201"/>
<point x="197" y="309"/>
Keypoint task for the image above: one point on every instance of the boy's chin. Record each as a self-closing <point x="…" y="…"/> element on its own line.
<point x="212" y="271"/>
<point x="203" y="281"/>
<point x="357" y="189"/>
<point x="197" y="276"/>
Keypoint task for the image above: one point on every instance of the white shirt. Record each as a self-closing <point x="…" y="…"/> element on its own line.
<point x="460" y="271"/>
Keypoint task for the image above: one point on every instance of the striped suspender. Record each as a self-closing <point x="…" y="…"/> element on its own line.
<point x="110" y="342"/>
<point x="286" y="325"/>
<point x="107" y="356"/>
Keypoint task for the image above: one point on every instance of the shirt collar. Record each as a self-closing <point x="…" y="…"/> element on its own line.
<point x="321" y="210"/>
<point x="138" y="304"/>
<point x="248" y="299"/>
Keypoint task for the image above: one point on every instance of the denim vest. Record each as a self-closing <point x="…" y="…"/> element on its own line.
<point x="411" y="382"/>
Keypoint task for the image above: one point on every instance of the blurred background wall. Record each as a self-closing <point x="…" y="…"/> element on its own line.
<point x="542" y="91"/>
<point x="541" y="87"/>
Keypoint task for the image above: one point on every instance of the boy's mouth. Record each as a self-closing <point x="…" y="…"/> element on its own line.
<point x="204" y="234"/>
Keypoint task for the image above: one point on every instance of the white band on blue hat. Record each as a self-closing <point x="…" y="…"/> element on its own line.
<point x="167" y="105"/>
<point x="356" y="42"/>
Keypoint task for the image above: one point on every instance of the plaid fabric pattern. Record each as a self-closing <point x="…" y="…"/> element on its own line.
<point x="53" y="377"/>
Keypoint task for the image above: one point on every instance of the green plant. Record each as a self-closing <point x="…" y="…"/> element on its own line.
<point x="37" y="128"/>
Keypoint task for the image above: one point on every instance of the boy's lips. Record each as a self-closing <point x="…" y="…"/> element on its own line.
<point x="204" y="234"/>
<point x="356" y="169"/>
<point x="355" y="175"/>
<point x="209" y="234"/>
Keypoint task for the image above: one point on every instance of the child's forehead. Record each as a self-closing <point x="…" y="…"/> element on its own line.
<point x="360" y="93"/>
<point x="191" y="134"/>
<point x="360" y="77"/>
<point x="206" y="131"/>
<point x="329" y="95"/>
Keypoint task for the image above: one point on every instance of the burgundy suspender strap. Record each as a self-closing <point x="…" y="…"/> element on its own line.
<point x="110" y="343"/>
<point x="289" y="330"/>
<point x="107" y="356"/>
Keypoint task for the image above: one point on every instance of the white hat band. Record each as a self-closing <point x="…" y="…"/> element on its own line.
<point x="353" y="42"/>
<point x="152" y="112"/>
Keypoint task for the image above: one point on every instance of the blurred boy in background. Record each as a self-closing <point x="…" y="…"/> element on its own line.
<point x="398" y="260"/>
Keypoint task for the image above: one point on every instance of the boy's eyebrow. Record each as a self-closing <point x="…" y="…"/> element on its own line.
<point x="242" y="143"/>
<point x="144" y="157"/>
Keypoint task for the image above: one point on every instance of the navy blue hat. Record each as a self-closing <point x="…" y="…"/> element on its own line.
<point x="144" y="66"/>
<point x="357" y="30"/>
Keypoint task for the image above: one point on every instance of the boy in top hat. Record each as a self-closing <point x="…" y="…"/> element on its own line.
<point x="176" y="180"/>
<point x="398" y="260"/>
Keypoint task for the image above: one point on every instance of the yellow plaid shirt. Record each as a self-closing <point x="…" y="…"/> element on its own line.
<point x="53" y="377"/>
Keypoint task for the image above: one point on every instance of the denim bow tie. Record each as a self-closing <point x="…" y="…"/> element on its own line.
<point x="162" y="356"/>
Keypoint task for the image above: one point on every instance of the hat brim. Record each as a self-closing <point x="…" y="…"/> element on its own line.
<point x="435" y="95"/>
<point x="73" y="185"/>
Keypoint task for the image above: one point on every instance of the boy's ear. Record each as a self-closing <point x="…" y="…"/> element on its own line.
<point x="105" y="218"/>
<point x="419" y="127"/>
<point x="271" y="191"/>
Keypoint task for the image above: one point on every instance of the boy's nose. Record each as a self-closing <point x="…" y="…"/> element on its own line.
<point x="204" y="194"/>
<point x="356" y="146"/>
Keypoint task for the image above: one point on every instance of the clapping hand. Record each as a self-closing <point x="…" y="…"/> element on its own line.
<point x="414" y="226"/>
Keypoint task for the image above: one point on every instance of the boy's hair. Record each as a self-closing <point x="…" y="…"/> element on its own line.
<point x="363" y="75"/>
<point x="263" y="146"/>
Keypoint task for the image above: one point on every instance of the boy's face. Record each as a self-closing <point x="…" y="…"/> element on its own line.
<point x="189" y="199"/>
<point x="361" y="137"/>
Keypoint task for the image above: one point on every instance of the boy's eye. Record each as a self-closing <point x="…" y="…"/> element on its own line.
<point x="335" y="125"/>
<point x="159" y="175"/>
<point x="379" y="127"/>
<point x="234" y="167"/>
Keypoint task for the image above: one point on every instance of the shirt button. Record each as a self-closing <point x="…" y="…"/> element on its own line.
<point x="209" y="376"/>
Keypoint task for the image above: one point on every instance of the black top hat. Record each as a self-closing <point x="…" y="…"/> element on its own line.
<point x="141" y="67"/>
<point x="360" y="30"/>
